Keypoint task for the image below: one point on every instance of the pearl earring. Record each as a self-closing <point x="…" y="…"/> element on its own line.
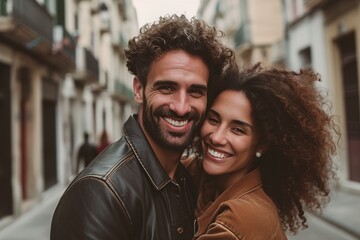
<point x="258" y="154"/>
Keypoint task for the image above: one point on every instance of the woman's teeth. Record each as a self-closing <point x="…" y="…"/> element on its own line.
<point x="216" y="154"/>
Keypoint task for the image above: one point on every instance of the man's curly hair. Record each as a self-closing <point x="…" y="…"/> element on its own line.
<point x="293" y="118"/>
<point x="175" y="32"/>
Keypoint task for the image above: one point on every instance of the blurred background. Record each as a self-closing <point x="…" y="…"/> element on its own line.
<point x="63" y="73"/>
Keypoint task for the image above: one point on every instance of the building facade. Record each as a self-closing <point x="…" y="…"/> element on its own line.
<point x="254" y="28"/>
<point x="62" y="73"/>
<point x="324" y="35"/>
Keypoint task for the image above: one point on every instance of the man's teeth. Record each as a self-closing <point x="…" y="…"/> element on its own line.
<point x="216" y="154"/>
<point x="176" y="123"/>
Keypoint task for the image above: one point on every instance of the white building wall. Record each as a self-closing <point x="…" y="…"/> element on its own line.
<point x="308" y="33"/>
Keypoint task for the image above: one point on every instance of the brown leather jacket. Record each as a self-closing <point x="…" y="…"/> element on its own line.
<point x="243" y="211"/>
<point x="124" y="193"/>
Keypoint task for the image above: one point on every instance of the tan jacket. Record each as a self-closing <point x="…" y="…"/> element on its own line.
<point x="243" y="211"/>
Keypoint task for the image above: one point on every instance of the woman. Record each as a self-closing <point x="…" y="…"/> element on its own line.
<point x="267" y="143"/>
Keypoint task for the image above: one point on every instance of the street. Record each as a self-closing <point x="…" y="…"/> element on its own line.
<point x="318" y="230"/>
<point x="35" y="225"/>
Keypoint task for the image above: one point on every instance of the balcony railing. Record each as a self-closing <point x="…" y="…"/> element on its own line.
<point x="122" y="91"/>
<point x="30" y="14"/>
<point x="122" y="5"/>
<point x="242" y="35"/>
<point x="309" y="4"/>
<point x="92" y="64"/>
<point x="64" y="48"/>
<point x="27" y="24"/>
<point x="87" y="66"/>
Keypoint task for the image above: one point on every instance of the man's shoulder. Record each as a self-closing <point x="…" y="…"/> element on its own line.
<point x="112" y="159"/>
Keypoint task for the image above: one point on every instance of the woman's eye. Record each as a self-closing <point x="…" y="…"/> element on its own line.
<point x="238" y="131"/>
<point x="212" y="120"/>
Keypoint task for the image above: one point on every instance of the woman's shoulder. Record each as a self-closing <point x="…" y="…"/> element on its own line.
<point x="254" y="202"/>
<point x="251" y="215"/>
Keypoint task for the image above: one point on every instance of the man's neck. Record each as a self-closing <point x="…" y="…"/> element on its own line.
<point x="169" y="160"/>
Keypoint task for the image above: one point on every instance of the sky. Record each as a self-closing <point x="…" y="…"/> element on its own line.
<point x="151" y="10"/>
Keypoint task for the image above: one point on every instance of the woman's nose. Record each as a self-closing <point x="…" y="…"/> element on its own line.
<point x="218" y="137"/>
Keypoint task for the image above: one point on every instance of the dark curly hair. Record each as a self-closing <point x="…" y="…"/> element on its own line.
<point x="177" y="32"/>
<point x="293" y="118"/>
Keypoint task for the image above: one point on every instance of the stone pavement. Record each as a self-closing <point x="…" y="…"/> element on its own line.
<point x="320" y="230"/>
<point x="34" y="224"/>
<point x="343" y="212"/>
<point x="339" y="221"/>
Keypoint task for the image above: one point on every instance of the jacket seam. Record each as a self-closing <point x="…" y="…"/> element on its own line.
<point x="116" y="196"/>
<point x="112" y="170"/>
<point x="143" y="166"/>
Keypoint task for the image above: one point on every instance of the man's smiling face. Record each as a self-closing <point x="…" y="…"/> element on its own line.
<point x="174" y="99"/>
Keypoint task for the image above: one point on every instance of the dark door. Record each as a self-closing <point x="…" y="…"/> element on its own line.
<point x="347" y="47"/>
<point x="6" y="199"/>
<point x="49" y="132"/>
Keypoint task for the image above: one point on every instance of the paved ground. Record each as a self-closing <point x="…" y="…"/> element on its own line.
<point x="337" y="223"/>
<point x="35" y="224"/>
<point x="321" y="230"/>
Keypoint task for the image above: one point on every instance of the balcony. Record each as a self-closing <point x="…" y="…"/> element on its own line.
<point x="123" y="92"/>
<point x="310" y="4"/>
<point x="242" y="35"/>
<point x="119" y="42"/>
<point x="122" y="5"/>
<point x="64" y="49"/>
<point x="87" y="67"/>
<point x="27" y="24"/>
<point x="278" y="52"/>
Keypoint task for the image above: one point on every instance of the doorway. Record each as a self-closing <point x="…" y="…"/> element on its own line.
<point x="350" y="81"/>
<point x="49" y="89"/>
<point x="6" y="199"/>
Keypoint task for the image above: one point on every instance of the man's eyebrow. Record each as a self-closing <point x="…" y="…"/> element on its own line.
<point x="171" y="83"/>
<point x="200" y="87"/>
<point x="164" y="82"/>
<point x="237" y="122"/>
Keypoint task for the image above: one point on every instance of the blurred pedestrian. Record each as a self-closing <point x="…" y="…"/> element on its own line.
<point x="104" y="142"/>
<point x="87" y="152"/>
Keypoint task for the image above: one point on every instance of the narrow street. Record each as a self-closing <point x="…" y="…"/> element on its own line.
<point x="319" y="229"/>
<point x="35" y="225"/>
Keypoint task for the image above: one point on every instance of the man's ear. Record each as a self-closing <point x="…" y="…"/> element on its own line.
<point x="138" y="90"/>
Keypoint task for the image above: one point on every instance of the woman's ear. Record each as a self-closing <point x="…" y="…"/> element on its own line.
<point x="262" y="149"/>
<point x="138" y="90"/>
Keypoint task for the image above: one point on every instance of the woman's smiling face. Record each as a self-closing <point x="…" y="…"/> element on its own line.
<point x="229" y="139"/>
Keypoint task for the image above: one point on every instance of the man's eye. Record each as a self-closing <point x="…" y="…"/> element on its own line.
<point x="198" y="92"/>
<point x="166" y="89"/>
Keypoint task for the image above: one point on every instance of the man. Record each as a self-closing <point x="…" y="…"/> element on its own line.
<point x="136" y="188"/>
<point x="87" y="152"/>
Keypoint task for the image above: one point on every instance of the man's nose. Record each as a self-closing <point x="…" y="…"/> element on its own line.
<point x="180" y="104"/>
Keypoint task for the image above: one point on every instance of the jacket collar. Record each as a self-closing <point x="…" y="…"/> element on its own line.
<point x="144" y="153"/>
<point x="247" y="184"/>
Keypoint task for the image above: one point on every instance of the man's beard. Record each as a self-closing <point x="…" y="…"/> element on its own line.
<point x="169" y="140"/>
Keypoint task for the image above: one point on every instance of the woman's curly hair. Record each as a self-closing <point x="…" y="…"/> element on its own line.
<point x="175" y="32"/>
<point x="293" y="118"/>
